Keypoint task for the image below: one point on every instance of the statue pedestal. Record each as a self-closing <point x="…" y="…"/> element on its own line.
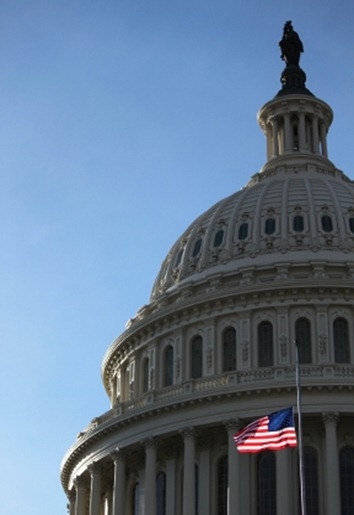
<point x="293" y="79"/>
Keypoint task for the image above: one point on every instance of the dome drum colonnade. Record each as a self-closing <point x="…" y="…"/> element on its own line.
<point x="103" y="490"/>
<point x="270" y="264"/>
<point x="295" y="124"/>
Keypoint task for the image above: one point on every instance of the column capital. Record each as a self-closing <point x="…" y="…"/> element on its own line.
<point x="119" y="481"/>
<point x="171" y="452"/>
<point x="232" y="424"/>
<point x="118" y="454"/>
<point x="330" y="417"/>
<point x="95" y="468"/>
<point x="188" y="431"/>
<point x="204" y="442"/>
<point x="80" y="481"/>
<point x="133" y="476"/>
<point x="149" y="442"/>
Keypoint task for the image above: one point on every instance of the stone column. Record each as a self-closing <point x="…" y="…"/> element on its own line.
<point x="95" y="491"/>
<point x="188" y="435"/>
<point x="283" y="481"/>
<point x="331" y="464"/>
<point x="204" y="487"/>
<point x="288" y="137"/>
<point x="81" y="494"/>
<point x="275" y="129"/>
<point x="302" y="132"/>
<point x="323" y="139"/>
<point x="118" y="494"/>
<point x="171" y="481"/>
<point x="107" y="502"/>
<point x="72" y="502"/>
<point x="233" y="426"/>
<point x="150" y="476"/>
<point x="315" y="134"/>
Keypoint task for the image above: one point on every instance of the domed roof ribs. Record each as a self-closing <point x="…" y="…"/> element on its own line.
<point x="215" y="219"/>
<point x="284" y="212"/>
<point x="257" y="214"/>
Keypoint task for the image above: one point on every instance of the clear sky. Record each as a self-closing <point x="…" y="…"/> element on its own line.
<point x="120" y="122"/>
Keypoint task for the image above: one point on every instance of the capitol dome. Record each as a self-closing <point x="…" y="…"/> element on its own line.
<point x="299" y="204"/>
<point x="266" y="267"/>
<point x="288" y="212"/>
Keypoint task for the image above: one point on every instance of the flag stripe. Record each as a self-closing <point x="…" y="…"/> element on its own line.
<point x="257" y="436"/>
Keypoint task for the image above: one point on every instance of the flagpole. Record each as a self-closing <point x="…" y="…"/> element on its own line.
<point x="301" y="448"/>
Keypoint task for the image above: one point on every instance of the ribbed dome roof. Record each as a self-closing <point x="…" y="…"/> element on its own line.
<point x="287" y="210"/>
<point x="299" y="203"/>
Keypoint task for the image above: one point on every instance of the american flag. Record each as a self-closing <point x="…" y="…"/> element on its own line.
<point x="273" y="432"/>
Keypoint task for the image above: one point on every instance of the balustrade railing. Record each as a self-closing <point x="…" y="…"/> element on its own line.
<point x="230" y="381"/>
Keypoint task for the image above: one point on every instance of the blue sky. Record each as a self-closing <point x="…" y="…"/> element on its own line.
<point x="120" y="123"/>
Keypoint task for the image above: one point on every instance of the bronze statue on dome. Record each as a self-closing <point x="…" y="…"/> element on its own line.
<point x="291" y="45"/>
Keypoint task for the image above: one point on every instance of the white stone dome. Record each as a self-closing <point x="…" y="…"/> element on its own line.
<point x="285" y="213"/>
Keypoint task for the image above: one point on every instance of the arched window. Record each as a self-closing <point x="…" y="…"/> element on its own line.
<point x="197" y="247"/>
<point x="222" y="486"/>
<point x="341" y="341"/>
<point x="327" y="225"/>
<point x="270" y="226"/>
<point x="346" y="474"/>
<point x="229" y="349"/>
<point x="135" y="499"/>
<point x="311" y="481"/>
<point x="298" y="223"/>
<point x="265" y="344"/>
<point x="351" y="224"/>
<point x="168" y="366"/>
<point x="146" y="375"/>
<point x="303" y="339"/>
<point x="197" y="357"/>
<point x="219" y="236"/>
<point x="267" y="495"/>
<point x="161" y="494"/>
<point x="243" y="231"/>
